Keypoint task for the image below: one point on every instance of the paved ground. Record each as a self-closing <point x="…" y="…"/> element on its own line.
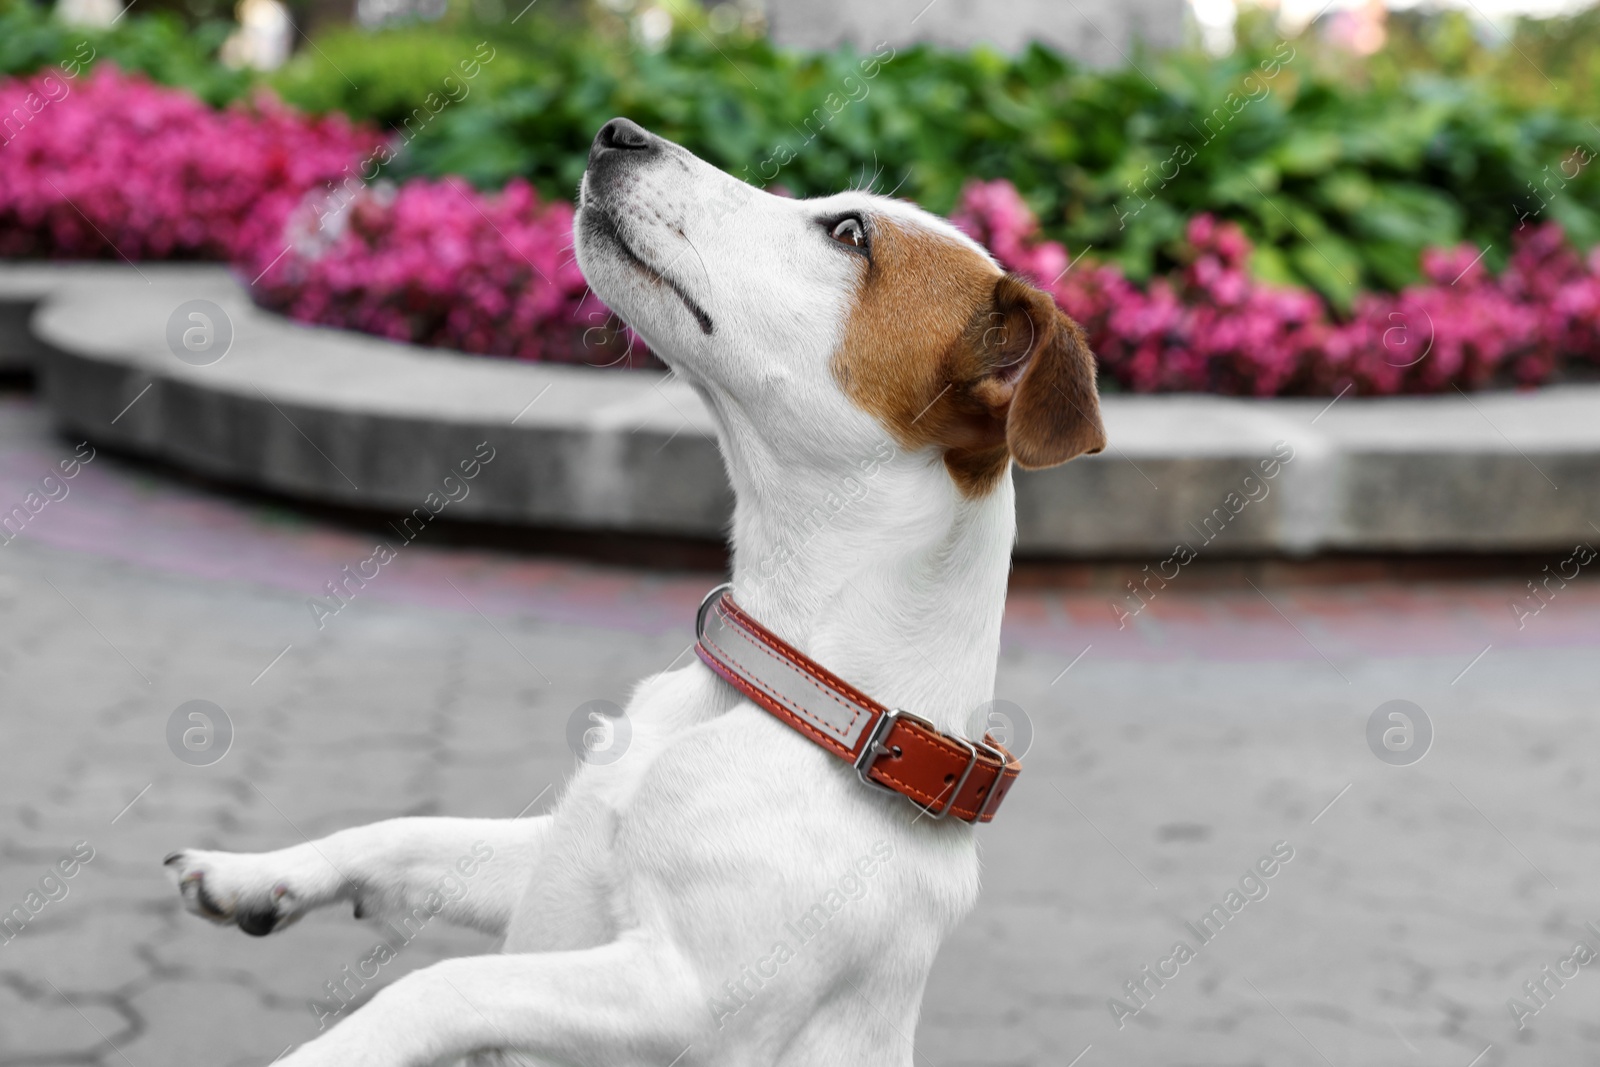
<point x="1169" y="758"/>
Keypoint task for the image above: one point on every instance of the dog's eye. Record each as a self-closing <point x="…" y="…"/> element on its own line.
<point x="849" y="232"/>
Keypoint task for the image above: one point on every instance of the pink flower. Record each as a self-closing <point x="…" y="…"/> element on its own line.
<point x="1213" y="328"/>
<point x="121" y="167"/>
<point x="118" y="167"/>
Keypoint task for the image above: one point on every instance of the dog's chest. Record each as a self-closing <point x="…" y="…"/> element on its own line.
<point x="583" y="893"/>
<point x="718" y="809"/>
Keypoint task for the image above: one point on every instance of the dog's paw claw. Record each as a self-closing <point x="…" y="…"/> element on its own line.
<point x="228" y="889"/>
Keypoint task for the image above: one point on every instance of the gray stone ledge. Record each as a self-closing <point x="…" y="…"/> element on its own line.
<point x="354" y="420"/>
<point x="23" y="286"/>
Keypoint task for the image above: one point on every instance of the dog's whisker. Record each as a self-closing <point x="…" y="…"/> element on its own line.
<point x="903" y="180"/>
<point x="703" y="268"/>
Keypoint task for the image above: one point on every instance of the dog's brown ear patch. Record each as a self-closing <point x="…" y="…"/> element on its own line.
<point x="1054" y="411"/>
<point x="947" y="351"/>
<point x="1029" y="380"/>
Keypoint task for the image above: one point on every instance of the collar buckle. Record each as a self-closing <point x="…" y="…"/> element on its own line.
<point x="874" y="749"/>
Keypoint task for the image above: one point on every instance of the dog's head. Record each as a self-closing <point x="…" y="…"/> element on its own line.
<point x="819" y="325"/>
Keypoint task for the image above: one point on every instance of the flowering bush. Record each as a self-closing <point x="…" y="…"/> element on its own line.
<point x="1438" y="138"/>
<point x="107" y="164"/>
<point x="433" y="262"/>
<point x="1211" y="328"/>
<point x="110" y="165"/>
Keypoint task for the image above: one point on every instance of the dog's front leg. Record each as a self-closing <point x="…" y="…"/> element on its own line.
<point x="467" y="871"/>
<point x="632" y="1003"/>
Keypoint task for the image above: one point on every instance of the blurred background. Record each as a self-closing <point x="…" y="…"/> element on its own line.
<point x="276" y="275"/>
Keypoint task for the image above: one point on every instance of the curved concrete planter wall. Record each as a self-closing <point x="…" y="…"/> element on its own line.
<point x="24" y="286"/>
<point x="351" y="419"/>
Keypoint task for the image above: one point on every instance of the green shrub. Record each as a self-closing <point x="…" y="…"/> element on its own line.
<point x="161" y="46"/>
<point x="1341" y="169"/>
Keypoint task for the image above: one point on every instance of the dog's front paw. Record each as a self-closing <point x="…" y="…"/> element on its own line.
<point x="238" y="889"/>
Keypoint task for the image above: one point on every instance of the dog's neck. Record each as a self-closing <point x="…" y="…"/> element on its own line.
<point x="885" y="576"/>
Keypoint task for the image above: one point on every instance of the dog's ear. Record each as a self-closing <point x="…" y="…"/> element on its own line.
<point x="1035" y="376"/>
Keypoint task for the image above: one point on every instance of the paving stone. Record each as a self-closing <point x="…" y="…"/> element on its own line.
<point x="183" y="1020"/>
<point x="83" y="941"/>
<point x="1169" y="754"/>
<point x="39" y="1024"/>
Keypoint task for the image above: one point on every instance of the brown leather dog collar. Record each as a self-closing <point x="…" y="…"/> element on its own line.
<point x="890" y="749"/>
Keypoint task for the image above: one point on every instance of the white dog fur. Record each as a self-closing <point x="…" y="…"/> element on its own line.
<point x="659" y="915"/>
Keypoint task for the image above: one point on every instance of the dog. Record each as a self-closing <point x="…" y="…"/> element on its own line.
<point x="730" y="892"/>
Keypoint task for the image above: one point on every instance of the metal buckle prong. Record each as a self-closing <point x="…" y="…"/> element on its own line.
<point x="874" y="747"/>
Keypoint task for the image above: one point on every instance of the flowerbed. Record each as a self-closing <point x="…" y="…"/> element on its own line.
<point x="1211" y="328"/>
<point x="437" y="263"/>
<point x="1342" y="168"/>
<point x="108" y="164"/>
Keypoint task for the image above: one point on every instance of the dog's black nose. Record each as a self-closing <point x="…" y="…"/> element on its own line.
<point x="620" y="145"/>
<point x="624" y="134"/>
